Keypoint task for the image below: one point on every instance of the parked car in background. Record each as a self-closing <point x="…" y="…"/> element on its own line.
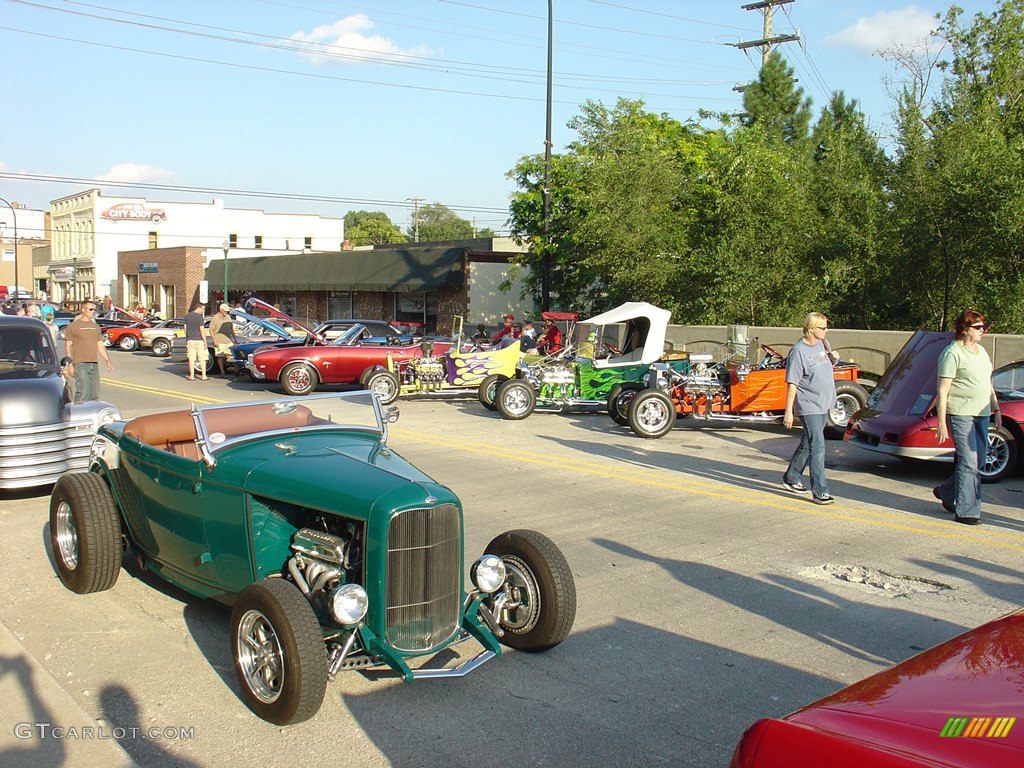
<point x="158" y="338"/>
<point x="42" y="434"/>
<point x="126" y="338"/>
<point x="354" y="357"/>
<point x="346" y="360"/>
<point x="899" y="418"/>
<point x="953" y="706"/>
<point x="335" y="552"/>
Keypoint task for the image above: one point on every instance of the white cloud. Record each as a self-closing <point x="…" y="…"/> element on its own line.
<point x="909" y="26"/>
<point x="344" y="41"/>
<point x="134" y="172"/>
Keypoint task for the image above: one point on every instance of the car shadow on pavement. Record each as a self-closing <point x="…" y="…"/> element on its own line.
<point x="860" y="629"/>
<point x="623" y="693"/>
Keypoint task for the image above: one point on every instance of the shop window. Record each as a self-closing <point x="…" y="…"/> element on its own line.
<point x="308" y="243"/>
<point x="340" y="304"/>
<point x="233" y="240"/>
<point x="419" y="308"/>
<point x="258" y="241"/>
<point x="152" y="240"/>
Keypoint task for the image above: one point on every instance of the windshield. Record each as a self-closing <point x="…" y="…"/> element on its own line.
<point x="222" y="425"/>
<point x="1009" y="381"/>
<point x="27" y="345"/>
<point x="349" y="336"/>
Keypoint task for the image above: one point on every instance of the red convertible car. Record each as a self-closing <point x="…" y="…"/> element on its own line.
<point x="953" y="705"/>
<point x="899" y="418"/>
<point x="347" y="359"/>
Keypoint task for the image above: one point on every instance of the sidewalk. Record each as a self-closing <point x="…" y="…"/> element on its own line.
<point x="41" y="726"/>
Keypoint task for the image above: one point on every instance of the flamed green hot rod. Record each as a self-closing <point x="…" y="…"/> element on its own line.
<point x="334" y="552"/>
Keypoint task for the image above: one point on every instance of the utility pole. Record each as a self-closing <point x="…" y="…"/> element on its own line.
<point x="767" y="41"/>
<point x="415" y="217"/>
<point x="545" y="268"/>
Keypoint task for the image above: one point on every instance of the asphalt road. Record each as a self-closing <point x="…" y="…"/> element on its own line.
<point x="708" y="597"/>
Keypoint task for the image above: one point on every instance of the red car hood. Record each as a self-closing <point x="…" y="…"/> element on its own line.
<point x="273" y="311"/>
<point x="910" y="375"/>
<point x="902" y="711"/>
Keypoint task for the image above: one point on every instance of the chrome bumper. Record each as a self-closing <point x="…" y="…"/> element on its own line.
<point x="461" y="671"/>
<point x="256" y="374"/>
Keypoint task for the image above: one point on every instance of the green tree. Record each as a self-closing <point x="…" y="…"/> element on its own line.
<point x="624" y="199"/>
<point x="371" y="228"/>
<point x="439" y="222"/>
<point x="775" y="104"/>
<point x="758" y="265"/>
<point x="851" y="247"/>
<point x="959" y="181"/>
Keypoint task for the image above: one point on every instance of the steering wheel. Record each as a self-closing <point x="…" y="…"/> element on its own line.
<point x="612" y="349"/>
<point x="770" y="352"/>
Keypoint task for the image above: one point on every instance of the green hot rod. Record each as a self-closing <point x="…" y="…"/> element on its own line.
<point x="334" y="551"/>
<point x="612" y="351"/>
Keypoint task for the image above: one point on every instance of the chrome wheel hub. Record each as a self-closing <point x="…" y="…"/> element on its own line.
<point x="67" y="536"/>
<point x="260" y="657"/>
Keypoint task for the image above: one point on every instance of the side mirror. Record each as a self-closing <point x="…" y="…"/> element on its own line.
<point x="65" y="361"/>
<point x="391" y="414"/>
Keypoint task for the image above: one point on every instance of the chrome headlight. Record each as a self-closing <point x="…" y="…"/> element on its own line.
<point x="106" y="416"/>
<point x="348" y="603"/>
<point x="488" y="573"/>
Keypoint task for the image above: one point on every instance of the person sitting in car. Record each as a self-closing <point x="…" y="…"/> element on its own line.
<point x="509" y="329"/>
<point x="528" y="339"/>
<point x="550" y="340"/>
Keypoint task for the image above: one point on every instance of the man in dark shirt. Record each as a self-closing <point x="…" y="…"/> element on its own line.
<point x="195" y="342"/>
<point x="83" y="342"/>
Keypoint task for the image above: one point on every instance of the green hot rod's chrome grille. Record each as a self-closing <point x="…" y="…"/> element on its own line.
<point x="423" y="575"/>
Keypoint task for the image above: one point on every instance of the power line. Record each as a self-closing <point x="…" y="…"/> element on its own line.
<point x="617" y="30"/>
<point x="666" y="15"/>
<point x="304" y="197"/>
<point x="349" y="53"/>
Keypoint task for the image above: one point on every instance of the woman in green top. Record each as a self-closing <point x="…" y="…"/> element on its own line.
<point x="965" y="401"/>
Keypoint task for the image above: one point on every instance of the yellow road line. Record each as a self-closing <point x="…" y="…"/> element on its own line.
<point x="165" y="392"/>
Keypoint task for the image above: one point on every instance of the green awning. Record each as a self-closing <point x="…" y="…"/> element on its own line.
<point x="420" y="269"/>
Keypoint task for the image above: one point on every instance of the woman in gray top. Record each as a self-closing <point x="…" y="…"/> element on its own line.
<point x="810" y="394"/>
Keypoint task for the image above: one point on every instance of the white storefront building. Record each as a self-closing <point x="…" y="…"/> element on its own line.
<point x="89" y="229"/>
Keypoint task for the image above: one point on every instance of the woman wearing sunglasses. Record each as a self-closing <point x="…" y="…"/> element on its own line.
<point x="965" y="401"/>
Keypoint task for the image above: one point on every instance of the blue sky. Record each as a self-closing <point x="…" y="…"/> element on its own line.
<point x="372" y="103"/>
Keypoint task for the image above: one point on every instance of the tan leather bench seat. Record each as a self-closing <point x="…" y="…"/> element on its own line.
<point x="175" y="431"/>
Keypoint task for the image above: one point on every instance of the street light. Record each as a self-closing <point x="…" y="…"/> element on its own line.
<point x="17" y="285"/>
<point x="226" y="244"/>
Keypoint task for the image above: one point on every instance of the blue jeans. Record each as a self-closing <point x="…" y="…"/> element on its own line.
<point x="962" y="490"/>
<point x="87" y="382"/>
<point x="810" y="453"/>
